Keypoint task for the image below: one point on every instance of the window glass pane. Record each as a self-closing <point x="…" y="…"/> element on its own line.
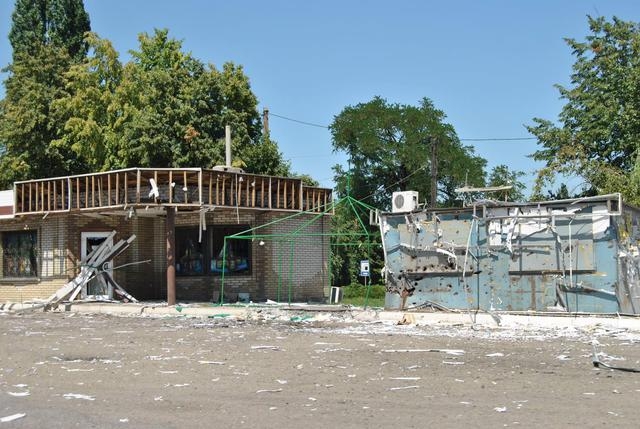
<point x="20" y="253"/>
<point x="189" y="252"/>
<point x="238" y="258"/>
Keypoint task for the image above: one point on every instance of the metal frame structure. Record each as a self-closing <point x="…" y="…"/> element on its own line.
<point x="290" y="239"/>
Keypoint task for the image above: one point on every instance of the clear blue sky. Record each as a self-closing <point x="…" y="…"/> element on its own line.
<point x="489" y="65"/>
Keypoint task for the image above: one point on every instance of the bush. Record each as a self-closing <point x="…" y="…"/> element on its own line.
<point x="356" y="290"/>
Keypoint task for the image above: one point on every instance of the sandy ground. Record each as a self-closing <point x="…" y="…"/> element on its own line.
<point x="61" y="370"/>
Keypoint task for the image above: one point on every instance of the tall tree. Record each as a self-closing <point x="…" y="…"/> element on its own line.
<point x="164" y="108"/>
<point x="58" y="23"/>
<point x="598" y="134"/>
<point x="390" y="149"/>
<point x="46" y="37"/>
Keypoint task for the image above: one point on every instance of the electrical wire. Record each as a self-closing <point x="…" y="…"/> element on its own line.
<point x="311" y="124"/>
<point x="492" y="139"/>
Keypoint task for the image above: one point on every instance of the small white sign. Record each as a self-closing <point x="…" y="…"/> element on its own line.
<point x="364" y="268"/>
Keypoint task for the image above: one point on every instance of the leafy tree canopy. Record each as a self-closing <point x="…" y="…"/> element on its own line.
<point x="57" y="23"/>
<point x="164" y="108"/>
<point x="389" y="148"/>
<point x="501" y="175"/>
<point x="599" y="127"/>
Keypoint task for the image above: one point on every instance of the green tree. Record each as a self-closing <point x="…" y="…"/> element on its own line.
<point x="389" y="148"/>
<point x="57" y="23"/>
<point x="598" y="133"/>
<point x="164" y="108"/>
<point x="27" y="124"/>
<point x="46" y="37"/>
<point x="501" y="175"/>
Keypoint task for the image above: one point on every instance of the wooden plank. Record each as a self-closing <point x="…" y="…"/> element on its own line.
<point x="224" y="184"/>
<point x="238" y="192"/>
<point x="138" y="179"/>
<point x="55" y="195"/>
<point x="109" y="189"/>
<point x="93" y="191"/>
<point x="270" y="194"/>
<point x="117" y="188"/>
<point x="210" y="188"/>
<point x="22" y="202"/>
<point x="285" y="194"/>
<point x="86" y="192"/>
<point x="155" y="177"/>
<point x="100" y="191"/>
<point x="171" y="185"/>
<point x="253" y="193"/>
<point x="48" y="193"/>
<point x="126" y="188"/>
<point x="218" y="190"/>
<point x="62" y="185"/>
<point x="200" y="184"/>
<point x="301" y="197"/>
<point x="278" y="196"/>
<point x="185" y="188"/>
<point x="77" y="192"/>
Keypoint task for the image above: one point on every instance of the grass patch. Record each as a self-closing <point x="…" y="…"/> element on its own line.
<point x="355" y="294"/>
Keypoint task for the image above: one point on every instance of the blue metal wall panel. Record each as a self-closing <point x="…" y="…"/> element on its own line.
<point x="531" y="257"/>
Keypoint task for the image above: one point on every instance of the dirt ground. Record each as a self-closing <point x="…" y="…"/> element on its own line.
<point x="64" y="370"/>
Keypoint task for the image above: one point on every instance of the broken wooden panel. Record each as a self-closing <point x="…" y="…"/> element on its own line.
<point x="190" y="188"/>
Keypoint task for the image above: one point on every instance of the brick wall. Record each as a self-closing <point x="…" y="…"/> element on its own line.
<point x="292" y="267"/>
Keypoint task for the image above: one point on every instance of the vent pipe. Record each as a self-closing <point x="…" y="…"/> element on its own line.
<point x="227" y="137"/>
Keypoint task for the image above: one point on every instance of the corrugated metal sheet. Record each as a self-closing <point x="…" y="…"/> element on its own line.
<point x="577" y="255"/>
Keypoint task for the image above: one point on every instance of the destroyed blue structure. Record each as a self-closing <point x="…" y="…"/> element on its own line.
<point x="574" y="255"/>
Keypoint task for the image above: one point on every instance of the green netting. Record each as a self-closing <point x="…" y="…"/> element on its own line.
<point x="285" y="242"/>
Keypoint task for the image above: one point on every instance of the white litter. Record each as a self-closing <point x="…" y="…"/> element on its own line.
<point x="269" y="391"/>
<point x="78" y="396"/>
<point x="404" y="388"/>
<point x="12" y="417"/>
<point x="19" y="394"/>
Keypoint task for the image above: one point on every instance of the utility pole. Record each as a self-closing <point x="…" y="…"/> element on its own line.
<point x="265" y="121"/>
<point x="434" y="172"/>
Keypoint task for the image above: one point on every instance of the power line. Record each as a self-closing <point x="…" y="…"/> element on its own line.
<point x="311" y="124"/>
<point x="505" y="139"/>
<point x="495" y="139"/>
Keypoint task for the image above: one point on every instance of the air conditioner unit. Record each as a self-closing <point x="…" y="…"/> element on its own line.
<point x="404" y="201"/>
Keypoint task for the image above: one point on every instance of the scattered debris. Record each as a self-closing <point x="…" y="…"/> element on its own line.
<point x="12" y="417"/>
<point x="269" y="391"/>
<point x="93" y="266"/>
<point x="78" y="396"/>
<point x="404" y="388"/>
<point x="598" y="363"/>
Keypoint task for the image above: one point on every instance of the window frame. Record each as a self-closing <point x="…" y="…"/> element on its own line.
<point x="210" y="248"/>
<point x="33" y="256"/>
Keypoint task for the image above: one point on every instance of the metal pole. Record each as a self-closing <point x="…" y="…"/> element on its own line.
<point x="290" y="271"/>
<point x="171" y="256"/>
<point x="434" y="172"/>
<point x="265" y="121"/>
<point x="224" y="269"/>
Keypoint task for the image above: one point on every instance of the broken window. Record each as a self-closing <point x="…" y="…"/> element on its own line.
<point x="238" y="256"/>
<point x="20" y="254"/>
<point x="189" y="252"/>
<point x="201" y="254"/>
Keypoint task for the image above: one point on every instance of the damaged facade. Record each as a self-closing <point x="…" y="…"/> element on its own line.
<point x="47" y="226"/>
<point x="577" y="255"/>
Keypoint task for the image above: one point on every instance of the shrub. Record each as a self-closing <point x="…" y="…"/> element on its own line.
<point x="356" y="290"/>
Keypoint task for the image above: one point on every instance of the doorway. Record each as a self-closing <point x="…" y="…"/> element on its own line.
<point x="94" y="289"/>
